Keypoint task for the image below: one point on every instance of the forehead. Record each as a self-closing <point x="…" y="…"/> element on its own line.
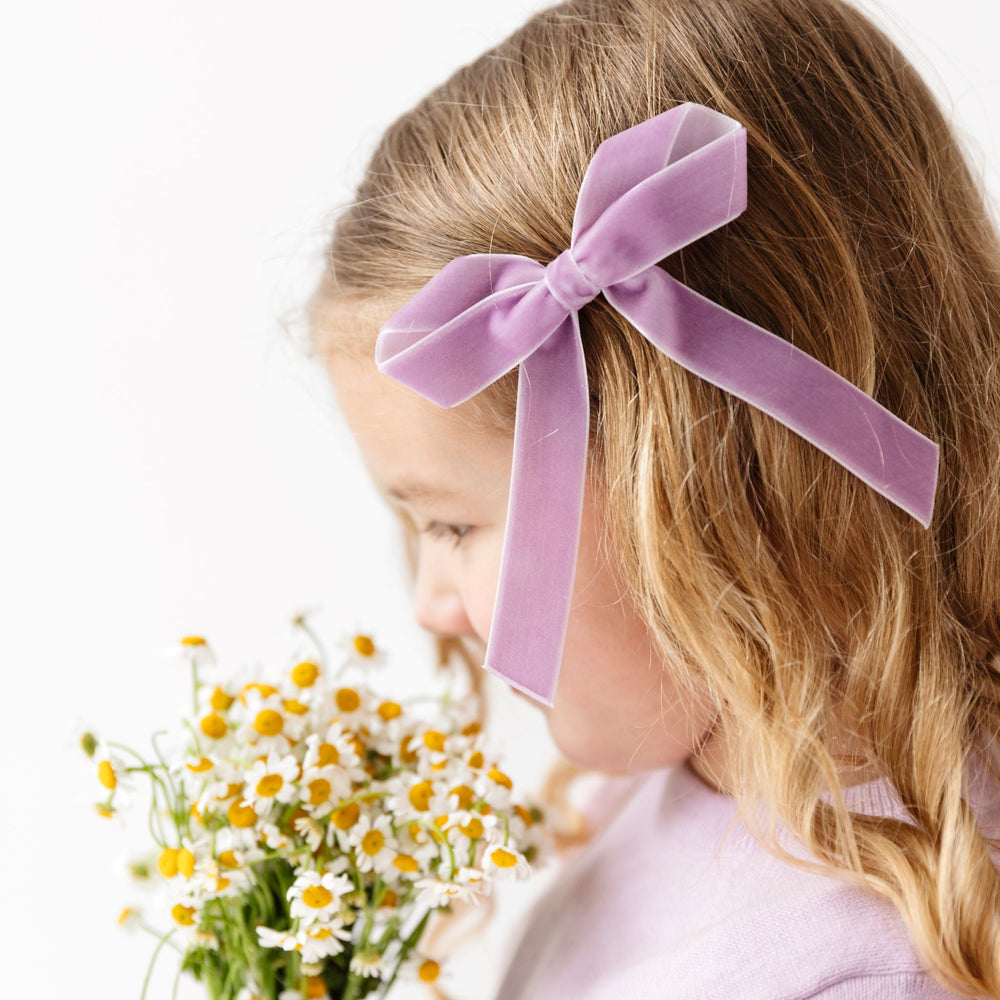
<point x="415" y="450"/>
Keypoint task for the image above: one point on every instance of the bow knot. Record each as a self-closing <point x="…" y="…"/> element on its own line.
<point x="569" y="286"/>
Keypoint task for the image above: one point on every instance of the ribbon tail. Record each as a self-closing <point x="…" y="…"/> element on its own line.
<point x="538" y="566"/>
<point x="795" y="388"/>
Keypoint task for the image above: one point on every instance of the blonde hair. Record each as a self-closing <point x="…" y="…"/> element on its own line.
<point x="800" y="596"/>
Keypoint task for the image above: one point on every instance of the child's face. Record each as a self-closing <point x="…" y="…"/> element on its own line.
<point x="612" y="688"/>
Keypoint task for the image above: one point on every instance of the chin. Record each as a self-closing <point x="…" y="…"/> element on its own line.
<point x="576" y="747"/>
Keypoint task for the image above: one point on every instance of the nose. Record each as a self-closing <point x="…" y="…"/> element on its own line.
<point x="438" y="603"/>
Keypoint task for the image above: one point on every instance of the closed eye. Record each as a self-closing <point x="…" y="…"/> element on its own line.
<point x="454" y="533"/>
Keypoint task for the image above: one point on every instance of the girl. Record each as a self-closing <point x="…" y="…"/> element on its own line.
<point x="761" y="588"/>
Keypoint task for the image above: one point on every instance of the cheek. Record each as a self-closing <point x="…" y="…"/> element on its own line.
<point x="480" y="576"/>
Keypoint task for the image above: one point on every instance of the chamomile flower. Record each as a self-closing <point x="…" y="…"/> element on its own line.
<point x="315" y="896"/>
<point x="322" y="940"/>
<point x="310" y="831"/>
<point x="361" y="650"/>
<point x="270" y="938"/>
<point x="195" y="650"/>
<point x="435" y="892"/>
<point x="421" y="968"/>
<point x="271" y="781"/>
<point x="373" y="843"/>
<point x="505" y="862"/>
<point x="495" y="788"/>
<point x="351" y="706"/>
<point x="112" y="771"/>
<point x="365" y="962"/>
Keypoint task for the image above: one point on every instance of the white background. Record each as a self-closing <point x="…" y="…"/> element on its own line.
<point x="169" y="464"/>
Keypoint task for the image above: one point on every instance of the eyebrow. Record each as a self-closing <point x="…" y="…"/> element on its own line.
<point x="414" y="491"/>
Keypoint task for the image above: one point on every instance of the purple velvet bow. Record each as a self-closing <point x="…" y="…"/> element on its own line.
<point x="648" y="192"/>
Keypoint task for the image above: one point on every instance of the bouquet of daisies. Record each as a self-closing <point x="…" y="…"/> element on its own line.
<point x="306" y="828"/>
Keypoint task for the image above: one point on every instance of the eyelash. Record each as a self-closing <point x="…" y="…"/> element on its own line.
<point x="453" y="533"/>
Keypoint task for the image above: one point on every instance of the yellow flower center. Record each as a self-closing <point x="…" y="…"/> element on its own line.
<point x="214" y="726"/>
<point x="315" y="988"/>
<point x="464" y="794"/>
<point x="106" y="775"/>
<point x="270" y="785"/>
<point x="327" y="754"/>
<point x="185" y="862"/>
<point x="317" y="896"/>
<point x="88" y="743"/>
<point x="406" y="755"/>
<point x="471" y="729"/>
<point x="228" y="860"/>
<point x="221" y="883"/>
<point x="420" y="796"/>
<point x="269" y="722"/>
<point x="502" y="858"/>
<point x="193" y="640"/>
<point x="389" y="898"/>
<point x="364" y="646"/>
<point x="473" y="829"/>
<point x="264" y="690"/>
<point x="476" y="759"/>
<point x="294" y="707"/>
<point x="405" y="863"/>
<point x="429" y="971"/>
<point x="220" y="701"/>
<point x="184" y="915"/>
<point x="372" y="842"/>
<point x="434" y="740"/>
<point x="525" y="815"/>
<point x="390" y="710"/>
<point x="304" y="674"/>
<point x="104" y="811"/>
<point x="319" y="791"/>
<point x="346" y="817"/>
<point x="167" y="862"/>
<point x="500" y="778"/>
<point x="203" y="765"/>
<point x="348" y="700"/>
<point x="124" y="916"/>
<point x="241" y="815"/>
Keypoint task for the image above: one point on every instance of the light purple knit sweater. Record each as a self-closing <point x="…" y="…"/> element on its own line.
<point x="664" y="904"/>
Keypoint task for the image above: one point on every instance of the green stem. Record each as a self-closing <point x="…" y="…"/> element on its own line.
<point x="156" y="951"/>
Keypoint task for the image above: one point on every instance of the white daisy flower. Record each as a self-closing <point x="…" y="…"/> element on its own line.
<point x="315" y="896"/>
<point x="332" y="745"/>
<point x="322" y="940"/>
<point x="352" y="706"/>
<point x="467" y="828"/>
<point x="310" y="831"/>
<point x="436" y="892"/>
<point x="361" y="650"/>
<point x="495" y="787"/>
<point x="421" y="968"/>
<point x="274" y="837"/>
<point x="112" y="772"/>
<point x="271" y="781"/>
<point x="413" y="795"/>
<point x="505" y="862"/>
<point x="373" y="842"/>
<point x="195" y="650"/>
<point x="365" y="962"/>
<point x="270" y="938"/>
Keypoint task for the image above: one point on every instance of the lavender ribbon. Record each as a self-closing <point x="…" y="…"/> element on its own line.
<point x="648" y="192"/>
